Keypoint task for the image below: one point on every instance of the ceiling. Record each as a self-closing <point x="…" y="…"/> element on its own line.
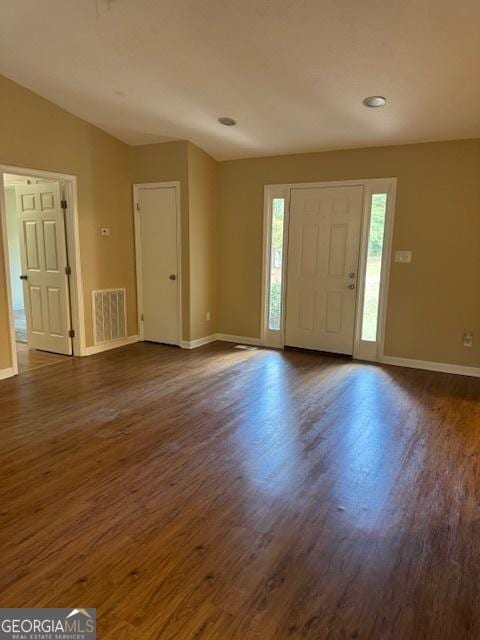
<point x="293" y="73"/>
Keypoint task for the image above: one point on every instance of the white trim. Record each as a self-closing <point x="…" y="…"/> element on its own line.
<point x="222" y="337"/>
<point x="361" y="349"/>
<point x="199" y="342"/>
<point x="73" y="247"/>
<point x="225" y="337"/>
<point x="274" y="338"/>
<point x="76" y="280"/>
<point x="432" y="366"/>
<point x="106" y="346"/>
<point x="6" y="264"/>
<point x="7" y="373"/>
<point x="138" y="253"/>
<point x="364" y="349"/>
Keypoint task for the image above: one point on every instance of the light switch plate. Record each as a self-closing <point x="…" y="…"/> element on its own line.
<point x="105" y="232"/>
<point x="403" y="256"/>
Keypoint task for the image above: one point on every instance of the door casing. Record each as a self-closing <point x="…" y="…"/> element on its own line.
<point x="138" y="253"/>
<point x="73" y="248"/>
<point x="362" y="350"/>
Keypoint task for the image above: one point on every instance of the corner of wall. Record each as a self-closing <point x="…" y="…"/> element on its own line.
<point x="203" y="242"/>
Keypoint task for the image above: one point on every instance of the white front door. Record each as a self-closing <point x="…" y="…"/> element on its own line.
<point x="324" y="244"/>
<point x="44" y="260"/>
<point x="158" y="264"/>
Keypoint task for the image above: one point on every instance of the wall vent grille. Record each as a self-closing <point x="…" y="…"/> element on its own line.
<point x="109" y="317"/>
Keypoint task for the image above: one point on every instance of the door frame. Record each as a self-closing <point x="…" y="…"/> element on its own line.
<point x="362" y="350"/>
<point x="138" y="253"/>
<point x="72" y="239"/>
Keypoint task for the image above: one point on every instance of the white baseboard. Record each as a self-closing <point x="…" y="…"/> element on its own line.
<point x="238" y="339"/>
<point x="432" y="366"/>
<point x="6" y="373"/>
<point x="225" y="337"/>
<point x="193" y="344"/>
<point x="106" y="346"/>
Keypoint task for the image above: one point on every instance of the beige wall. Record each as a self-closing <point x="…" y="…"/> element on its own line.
<point x="203" y="227"/>
<point x="168" y="162"/>
<point x="197" y="173"/>
<point x="433" y="300"/>
<point x="36" y="134"/>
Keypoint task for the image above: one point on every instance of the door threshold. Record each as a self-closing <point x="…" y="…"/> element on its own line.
<point x="329" y="354"/>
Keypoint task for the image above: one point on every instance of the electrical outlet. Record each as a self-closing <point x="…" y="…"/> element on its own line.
<point x="468" y="339"/>
<point x="403" y="256"/>
<point x="208" y="316"/>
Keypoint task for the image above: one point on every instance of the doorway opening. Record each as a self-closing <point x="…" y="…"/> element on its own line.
<point x="327" y="250"/>
<point x="40" y="245"/>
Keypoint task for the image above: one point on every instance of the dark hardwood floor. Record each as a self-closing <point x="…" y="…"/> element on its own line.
<point x="240" y="495"/>
<point x="28" y="358"/>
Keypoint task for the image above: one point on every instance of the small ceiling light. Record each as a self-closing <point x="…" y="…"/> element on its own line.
<point x="374" y="102"/>
<point x="228" y="122"/>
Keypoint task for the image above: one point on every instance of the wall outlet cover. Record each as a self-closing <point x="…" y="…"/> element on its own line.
<point x="403" y="256"/>
<point x="468" y="339"/>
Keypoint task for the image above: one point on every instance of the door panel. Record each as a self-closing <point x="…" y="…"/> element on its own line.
<point x="44" y="259"/>
<point x="30" y="239"/>
<point x="159" y="265"/>
<point x="337" y="252"/>
<point x="324" y="243"/>
<point x="50" y="236"/>
<point x="54" y="299"/>
<point x="35" y="311"/>
<point x="47" y="201"/>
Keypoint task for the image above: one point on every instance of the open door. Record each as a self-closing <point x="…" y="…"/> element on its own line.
<point x="44" y="266"/>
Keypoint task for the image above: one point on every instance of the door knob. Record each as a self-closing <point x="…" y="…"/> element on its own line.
<point x="351" y="286"/>
<point x="22" y="277"/>
<point x="172" y="276"/>
<point x="351" y="275"/>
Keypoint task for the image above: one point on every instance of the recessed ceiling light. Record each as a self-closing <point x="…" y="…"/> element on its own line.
<point x="374" y="102"/>
<point x="228" y="122"/>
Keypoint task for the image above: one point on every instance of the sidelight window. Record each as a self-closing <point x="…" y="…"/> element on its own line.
<point x="276" y="264"/>
<point x="373" y="273"/>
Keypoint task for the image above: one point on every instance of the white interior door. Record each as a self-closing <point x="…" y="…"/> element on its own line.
<point x="323" y="252"/>
<point x="44" y="260"/>
<point x="157" y="261"/>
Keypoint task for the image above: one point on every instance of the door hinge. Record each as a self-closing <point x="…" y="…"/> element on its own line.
<point x="68" y="271"/>
<point x="141" y="317"/>
<point x="138" y="206"/>
<point x="63" y="204"/>
<point x="71" y="333"/>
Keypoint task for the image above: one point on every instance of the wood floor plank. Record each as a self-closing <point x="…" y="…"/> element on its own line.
<point x="225" y="494"/>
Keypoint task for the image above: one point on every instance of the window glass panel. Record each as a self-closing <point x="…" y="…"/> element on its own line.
<point x="374" y="267"/>
<point x="276" y="260"/>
